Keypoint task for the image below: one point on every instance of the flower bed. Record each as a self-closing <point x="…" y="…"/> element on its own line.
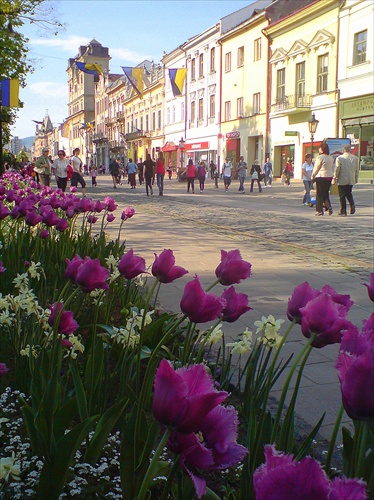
<point x="103" y="395"/>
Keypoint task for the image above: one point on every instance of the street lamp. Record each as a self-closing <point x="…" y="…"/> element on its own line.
<point x="182" y="146"/>
<point x="312" y="124"/>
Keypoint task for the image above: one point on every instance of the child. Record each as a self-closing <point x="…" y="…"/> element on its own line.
<point x="93" y="175"/>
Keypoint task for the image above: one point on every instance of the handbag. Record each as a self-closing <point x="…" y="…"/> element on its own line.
<point x="255" y="175"/>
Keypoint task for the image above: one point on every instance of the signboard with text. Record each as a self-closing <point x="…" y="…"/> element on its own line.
<point x="197" y="145"/>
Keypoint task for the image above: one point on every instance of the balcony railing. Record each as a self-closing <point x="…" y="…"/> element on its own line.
<point x="120" y="116"/>
<point x="99" y="137"/>
<point x="138" y="134"/>
<point x="297" y="101"/>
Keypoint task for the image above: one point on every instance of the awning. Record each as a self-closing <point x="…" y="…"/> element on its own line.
<point x="169" y="146"/>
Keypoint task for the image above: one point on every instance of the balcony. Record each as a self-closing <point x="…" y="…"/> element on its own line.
<point x="138" y="134"/>
<point x="292" y="104"/>
<point x="99" y="138"/>
<point x="120" y="116"/>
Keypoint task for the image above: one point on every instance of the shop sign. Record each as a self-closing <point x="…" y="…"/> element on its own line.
<point x="291" y="133"/>
<point x="360" y="106"/>
<point x="232" y="135"/>
<point x="198" y="145"/>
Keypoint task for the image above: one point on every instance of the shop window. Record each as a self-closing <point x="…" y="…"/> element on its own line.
<point x="240" y="57"/>
<point x="322" y="73"/>
<point x="359" y="48"/>
<point x="228" y="62"/>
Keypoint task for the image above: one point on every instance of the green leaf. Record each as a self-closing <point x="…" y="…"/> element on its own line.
<point x="102" y="431"/>
<point x="308" y="441"/>
<point x="64" y="417"/>
<point x="79" y="392"/>
<point x="348" y="444"/>
<point x="28" y="416"/>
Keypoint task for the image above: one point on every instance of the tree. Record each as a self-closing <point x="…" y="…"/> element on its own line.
<point x="14" y="62"/>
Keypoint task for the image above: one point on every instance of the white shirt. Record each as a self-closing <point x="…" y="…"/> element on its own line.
<point x="227" y="169"/>
<point x="308" y="169"/>
<point x="76" y="163"/>
<point x="60" y="167"/>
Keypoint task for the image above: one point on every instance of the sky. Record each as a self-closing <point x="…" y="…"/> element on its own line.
<point x="133" y="31"/>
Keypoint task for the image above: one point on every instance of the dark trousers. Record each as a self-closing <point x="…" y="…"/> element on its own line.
<point x="345" y="193"/>
<point x="62" y="182"/>
<point x="258" y="184"/>
<point x="148" y="185"/>
<point x="322" y="193"/>
<point x="190" y="183"/>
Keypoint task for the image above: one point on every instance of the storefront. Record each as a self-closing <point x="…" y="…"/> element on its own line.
<point x="198" y="151"/>
<point x="233" y="146"/>
<point x="358" y="123"/>
<point x="170" y="151"/>
<point x="282" y="152"/>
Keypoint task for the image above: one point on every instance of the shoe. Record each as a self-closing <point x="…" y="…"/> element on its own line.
<point x="243" y="192"/>
<point x="225" y="190"/>
<point x="353" y="209"/>
<point x="343" y="214"/>
<point x="318" y="214"/>
<point x="331" y="211"/>
<point x="305" y="204"/>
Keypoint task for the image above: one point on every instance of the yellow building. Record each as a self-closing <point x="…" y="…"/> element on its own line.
<point x="81" y="107"/>
<point x="244" y="73"/>
<point x="303" y="74"/>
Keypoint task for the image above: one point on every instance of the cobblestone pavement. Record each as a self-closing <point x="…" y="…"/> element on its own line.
<point x="286" y="245"/>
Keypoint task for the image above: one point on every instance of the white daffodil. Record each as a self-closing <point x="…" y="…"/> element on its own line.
<point x="268" y="322"/>
<point x="8" y="468"/>
<point x="215" y="335"/>
<point x="35" y="270"/>
<point x="77" y="346"/>
<point x="240" y="347"/>
<point x="111" y="261"/>
<point x="21" y="281"/>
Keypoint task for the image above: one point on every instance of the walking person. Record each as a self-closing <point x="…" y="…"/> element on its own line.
<point x="306" y="170"/>
<point x="288" y="171"/>
<point x="227" y="173"/>
<point x="43" y="168"/>
<point x="131" y="172"/>
<point x="60" y="169"/>
<point x="322" y="175"/>
<point x="268" y="172"/>
<point x="212" y="169"/>
<point x="255" y="173"/>
<point x="77" y="178"/>
<point x="114" y="171"/>
<point x="201" y="174"/>
<point x="140" y="167"/>
<point x="241" y="168"/>
<point x="160" y="173"/>
<point x="190" y="175"/>
<point x="346" y="175"/>
<point x="93" y="172"/>
<point x="149" y="174"/>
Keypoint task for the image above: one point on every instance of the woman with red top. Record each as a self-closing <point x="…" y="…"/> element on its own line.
<point x="190" y="175"/>
<point x="160" y="173"/>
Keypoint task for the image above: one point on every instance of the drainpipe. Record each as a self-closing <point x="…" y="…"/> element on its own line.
<point x="337" y="90"/>
<point x="268" y="95"/>
<point x="220" y="110"/>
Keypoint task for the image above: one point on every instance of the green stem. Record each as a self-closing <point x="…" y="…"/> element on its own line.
<point x="212" y="285"/>
<point x="170" y="478"/>
<point x="152" y="466"/>
<point x="286" y="385"/>
<point x="333" y="440"/>
<point x="361" y="447"/>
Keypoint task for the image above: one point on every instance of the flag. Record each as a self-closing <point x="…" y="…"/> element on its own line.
<point x="90" y="68"/>
<point x="135" y="77"/>
<point x="177" y="77"/>
<point x="10" y="93"/>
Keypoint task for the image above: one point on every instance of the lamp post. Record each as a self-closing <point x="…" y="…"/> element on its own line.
<point x="312" y="124"/>
<point x="182" y="146"/>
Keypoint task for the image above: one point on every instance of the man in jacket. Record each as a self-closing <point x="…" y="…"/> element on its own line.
<point x="346" y="175"/>
<point x="43" y="168"/>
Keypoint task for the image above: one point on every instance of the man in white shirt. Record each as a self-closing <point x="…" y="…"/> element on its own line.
<point x="346" y="175"/>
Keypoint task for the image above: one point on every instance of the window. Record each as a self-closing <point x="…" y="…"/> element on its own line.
<point x="158" y="119"/>
<point x="240" y="57"/>
<point x="228" y="62"/>
<point x="201" y="65"/>
<point x="141" y="123"/>
<point x="201" y="109"/>
<point x="154" y="120"/>
<point x="212" y="60"/>
<point x="193" y="69"/>
<point x="212" y="106"/>
<point x="256" y="104"/>
<point x="173" y="114"/>
<point x="193" y="111"/>
<point x="359" y="48"/>
<point x="168" y="116"/>
<point x="322" y="73"/>
<point x="228" y="110"/>
<point x="182" y="111"/>
<point x="257" y="49"/>
<point x="147" y="123"/>
<point x="281" y="88"/>
<point x="300" y="80"/>
<point x="239" y="107"/>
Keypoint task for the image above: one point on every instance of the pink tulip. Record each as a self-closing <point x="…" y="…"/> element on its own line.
<point x="128" y="213"/>
<point x="301" y="295"/>
<point x="236" y="305"/>
<point x="232" y="269"/>
<point x="91" y="275"/>
<point x="370" y="287"/>
<point x="131" y="265"/>
<point x="164" y="268"/>
<point x="67" y="324"/>
<point x="200" y="306"/>
<point x="3" y="369"/>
